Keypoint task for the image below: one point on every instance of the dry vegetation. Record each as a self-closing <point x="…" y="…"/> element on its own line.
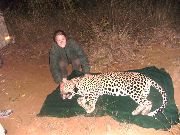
<point x="120" y="29"/>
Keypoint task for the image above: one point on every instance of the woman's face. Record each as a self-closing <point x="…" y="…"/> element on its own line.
<point x="61" y="40"/>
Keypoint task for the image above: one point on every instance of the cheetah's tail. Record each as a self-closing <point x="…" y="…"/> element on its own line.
<point x="164" y="97"/>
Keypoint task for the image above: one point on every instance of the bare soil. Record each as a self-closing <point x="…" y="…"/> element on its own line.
<point x="25" y="81"/>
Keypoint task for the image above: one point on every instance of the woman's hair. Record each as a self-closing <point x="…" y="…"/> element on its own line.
<point x="58" y="32"/>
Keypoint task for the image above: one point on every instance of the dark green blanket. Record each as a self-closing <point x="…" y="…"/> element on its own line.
<point x="119" y="108"/>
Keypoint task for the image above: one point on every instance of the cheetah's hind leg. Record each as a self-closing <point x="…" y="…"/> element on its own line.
<point x="139" y="109"/>
<point x="144" y="108"/>
<point x="147" y="109"/>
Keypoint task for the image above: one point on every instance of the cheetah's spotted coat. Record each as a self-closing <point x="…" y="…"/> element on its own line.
<point x="133" y="84"/>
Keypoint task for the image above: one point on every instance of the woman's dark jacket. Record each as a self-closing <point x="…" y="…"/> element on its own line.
<point x="71" y="51"/>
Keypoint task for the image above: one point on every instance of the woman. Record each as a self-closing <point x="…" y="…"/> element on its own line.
<point x="63" y="52"/>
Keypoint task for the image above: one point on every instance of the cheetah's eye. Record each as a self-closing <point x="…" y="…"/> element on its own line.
<point x="69" y="93"/>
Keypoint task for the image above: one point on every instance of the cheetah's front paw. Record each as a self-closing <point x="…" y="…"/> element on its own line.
<point x="90" y="109"/>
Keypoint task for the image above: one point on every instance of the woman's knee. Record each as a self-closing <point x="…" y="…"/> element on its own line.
<point x="76" y="64"/>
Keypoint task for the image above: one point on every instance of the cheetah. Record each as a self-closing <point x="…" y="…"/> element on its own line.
<point x="132" y="84"/>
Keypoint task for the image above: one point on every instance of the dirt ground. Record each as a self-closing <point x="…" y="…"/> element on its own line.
<point x="25" y="81"/>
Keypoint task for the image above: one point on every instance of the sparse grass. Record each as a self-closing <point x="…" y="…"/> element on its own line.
<point x="113" y="29"/>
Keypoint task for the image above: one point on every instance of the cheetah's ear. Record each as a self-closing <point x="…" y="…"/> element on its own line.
<point x="64" y="80"/>
<point x="74" y="80"/>
<point x="61" y="86"/>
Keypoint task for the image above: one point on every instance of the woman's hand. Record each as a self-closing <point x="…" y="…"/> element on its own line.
<point x="88" y="75"/>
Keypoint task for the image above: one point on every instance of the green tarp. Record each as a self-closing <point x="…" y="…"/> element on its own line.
<point x="119" y="108"/>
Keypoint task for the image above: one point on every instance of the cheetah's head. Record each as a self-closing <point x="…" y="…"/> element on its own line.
<point x="67" y="89"/>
